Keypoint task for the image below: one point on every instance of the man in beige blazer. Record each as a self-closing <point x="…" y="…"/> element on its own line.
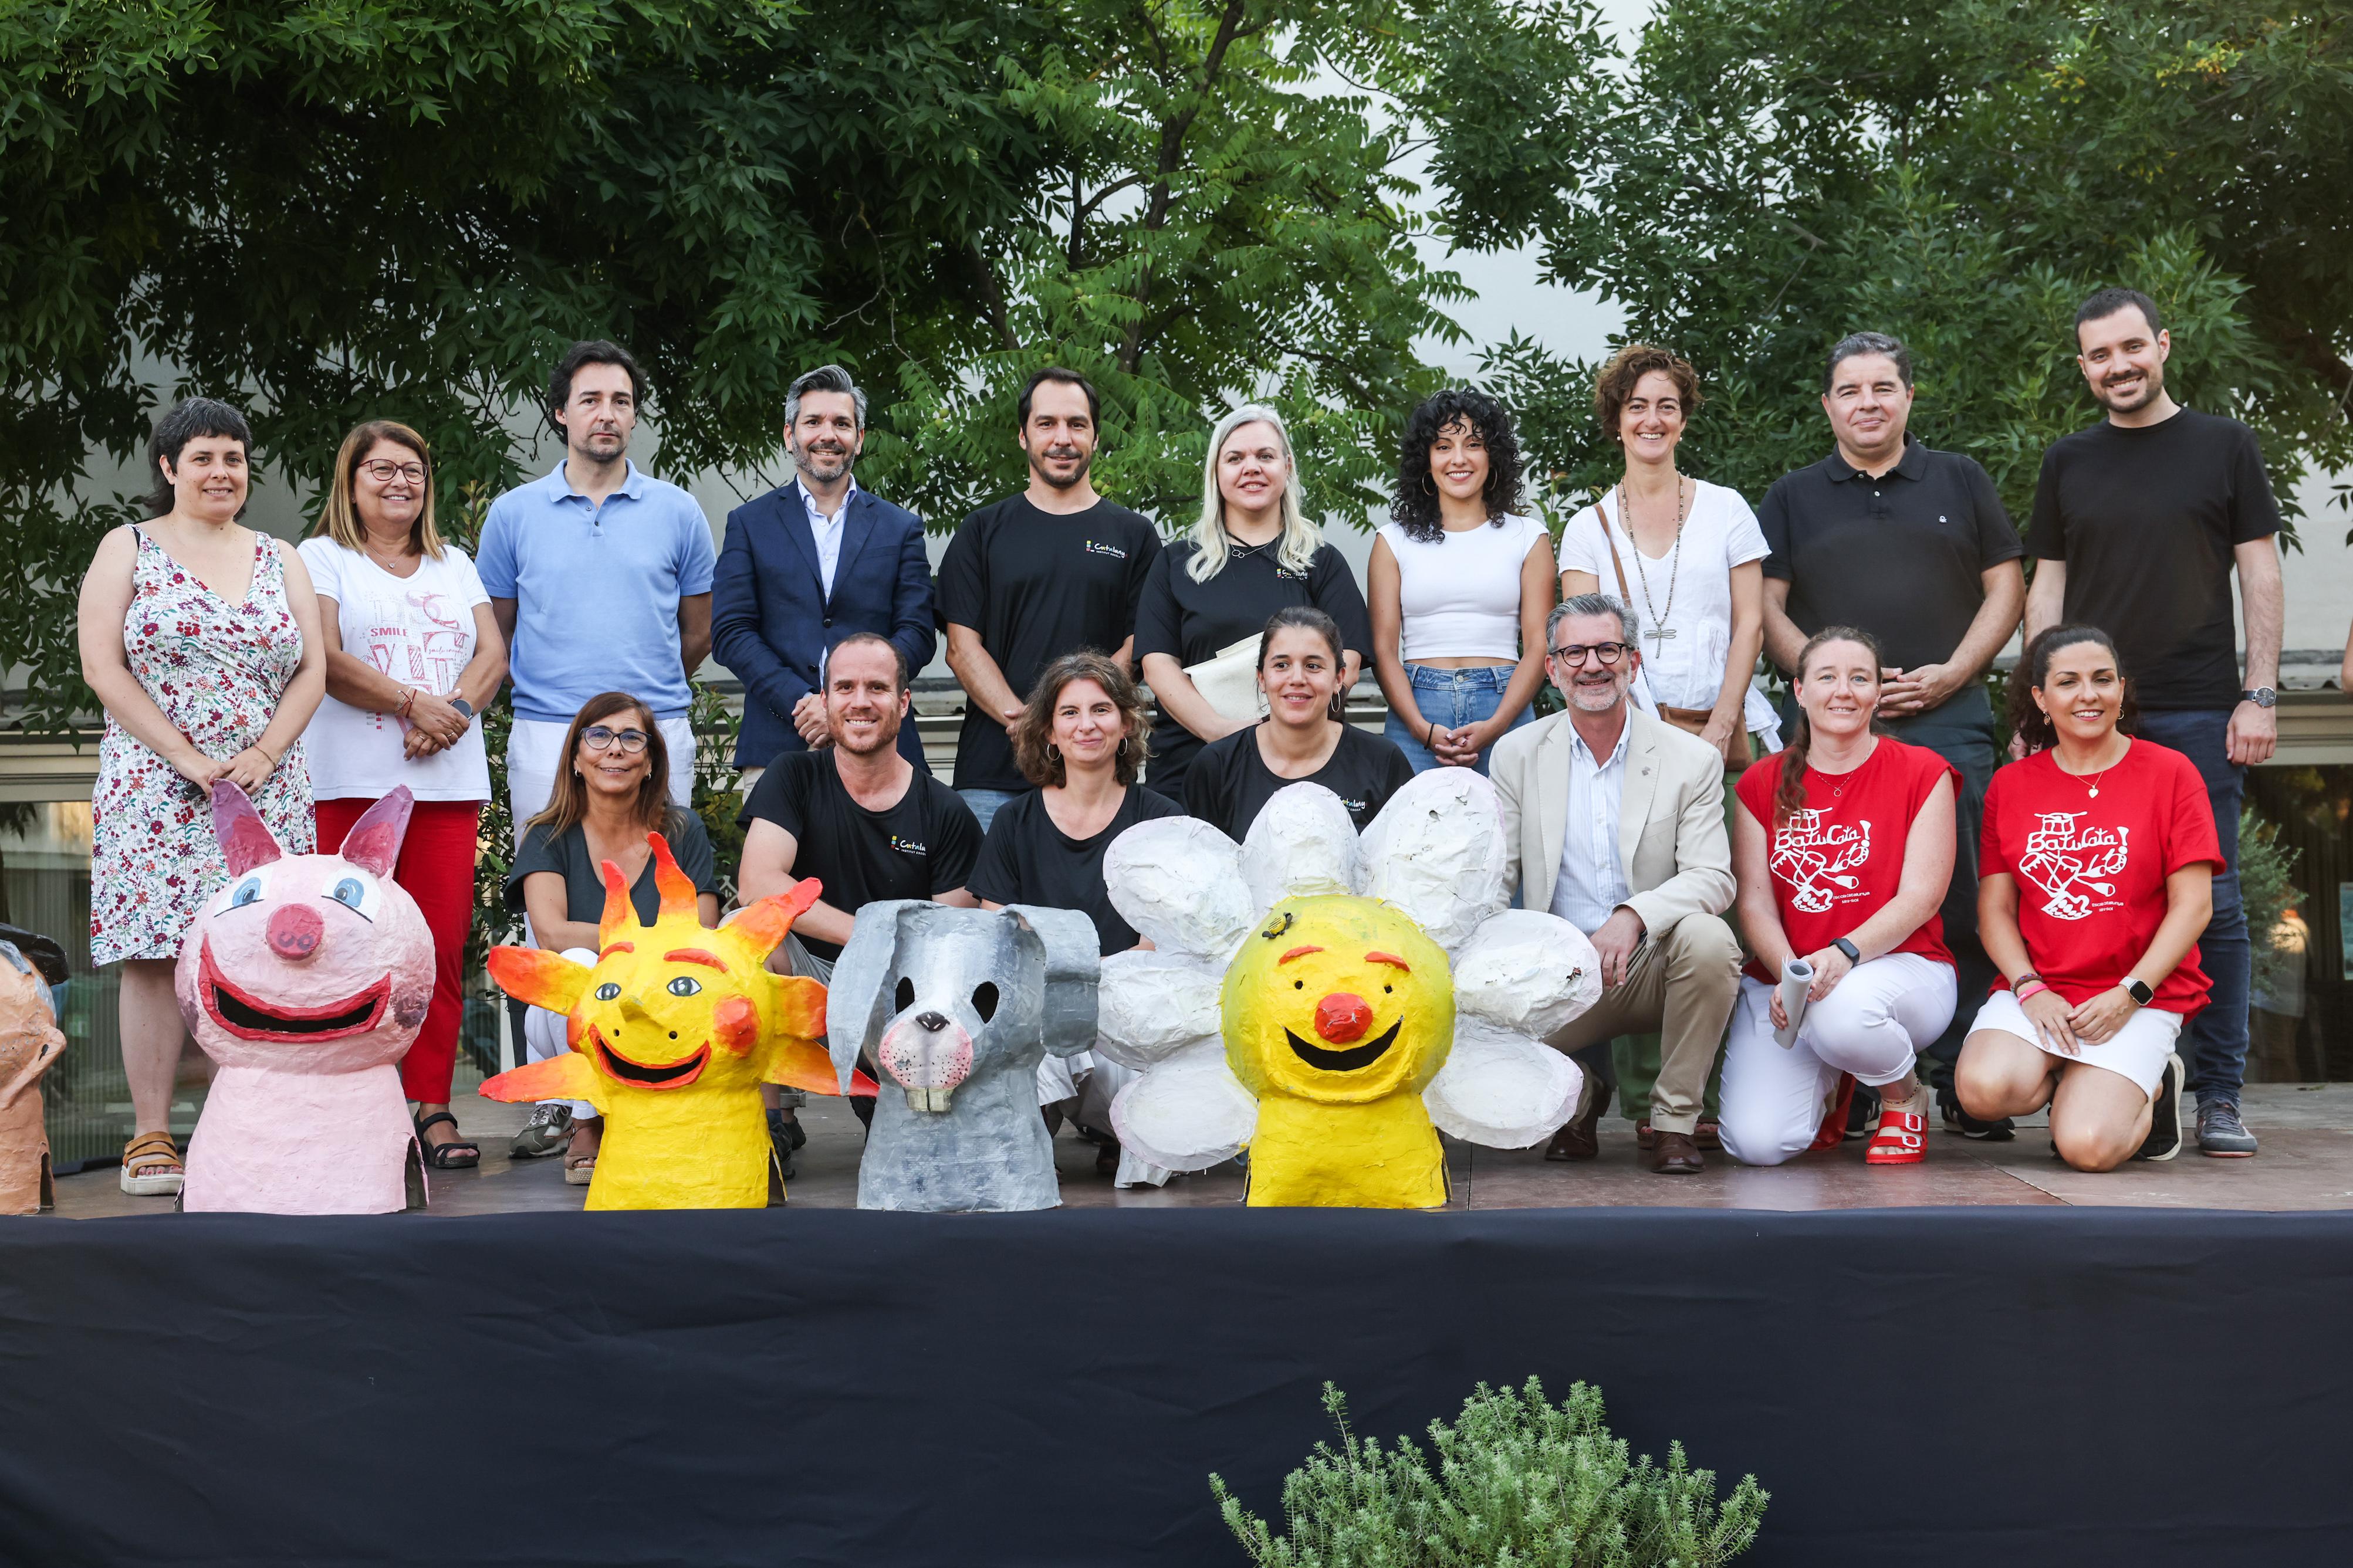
<point x="1613" y="820"/>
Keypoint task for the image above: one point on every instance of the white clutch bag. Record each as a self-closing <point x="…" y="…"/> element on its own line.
<point x="1229" y="682"/>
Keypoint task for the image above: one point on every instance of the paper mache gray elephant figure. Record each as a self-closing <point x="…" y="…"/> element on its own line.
<point x="955" y="1008"/>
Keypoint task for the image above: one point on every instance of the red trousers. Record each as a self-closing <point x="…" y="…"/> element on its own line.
<point x="437" y="866"/>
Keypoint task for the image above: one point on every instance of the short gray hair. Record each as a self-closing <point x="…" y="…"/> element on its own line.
<point x="1856" y="344"/>
<point x="1593" y="604"/>
<point x="824" y="378"/>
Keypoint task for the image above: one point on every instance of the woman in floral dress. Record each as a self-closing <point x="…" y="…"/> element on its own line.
<point x="201" y="637"/>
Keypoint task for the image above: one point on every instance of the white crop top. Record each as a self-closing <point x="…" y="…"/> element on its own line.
<point x="1460" y="592"/>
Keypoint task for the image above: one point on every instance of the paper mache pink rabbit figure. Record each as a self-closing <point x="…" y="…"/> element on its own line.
<point x="305" y="978"/>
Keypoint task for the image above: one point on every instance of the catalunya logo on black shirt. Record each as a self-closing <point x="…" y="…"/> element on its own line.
<point x="906" y="845"/>
<point x="1097" y="547"/>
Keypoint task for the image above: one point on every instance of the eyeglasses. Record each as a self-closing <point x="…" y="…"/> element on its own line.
<point x="597" y="738"/>
<point x="1608" y="653"/>
<point x="384" y="471"/>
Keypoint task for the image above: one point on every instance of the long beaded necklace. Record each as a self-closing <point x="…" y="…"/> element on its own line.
<point x="1660" y="631"/>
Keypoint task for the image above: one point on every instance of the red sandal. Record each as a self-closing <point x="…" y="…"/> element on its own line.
<point x="1901" y="1139"/>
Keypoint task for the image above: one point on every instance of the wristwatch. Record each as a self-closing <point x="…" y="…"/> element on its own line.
<point x="1853" y="953"/>
<point x="464" y="706"/>
<point x="2137" y="989"/>
<point x="2262" y="697"/>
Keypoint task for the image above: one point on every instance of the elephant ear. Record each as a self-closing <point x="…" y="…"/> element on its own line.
<point x="1073" y="965"/>
<point x="858" y="996"/>
<point x="1188" y="1113"/>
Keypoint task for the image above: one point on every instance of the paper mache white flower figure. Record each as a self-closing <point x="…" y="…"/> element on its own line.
<point x="1326" y="1002"/>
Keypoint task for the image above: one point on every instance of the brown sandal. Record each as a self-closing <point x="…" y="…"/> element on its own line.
<point x="156" y="1154"/>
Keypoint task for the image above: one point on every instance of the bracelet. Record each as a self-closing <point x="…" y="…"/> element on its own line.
<point x="407" y="695"/>
<point x="2029" y="988"/>
<point x="1430" y="742"/>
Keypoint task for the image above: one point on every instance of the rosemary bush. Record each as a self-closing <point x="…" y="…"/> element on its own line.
<point x="1515" y="1482"/>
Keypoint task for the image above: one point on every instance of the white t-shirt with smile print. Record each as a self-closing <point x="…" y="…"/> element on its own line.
<point x="418" y="629"/>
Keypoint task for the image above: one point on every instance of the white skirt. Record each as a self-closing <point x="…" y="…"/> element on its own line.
<point x="2137" y="1051"/>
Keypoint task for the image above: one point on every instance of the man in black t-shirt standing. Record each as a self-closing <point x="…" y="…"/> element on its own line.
<point x="1912" y="546"/>
<point x="856" y="817"/>
<point x="1034" y="576"/>
<point x="2138" y="523"/>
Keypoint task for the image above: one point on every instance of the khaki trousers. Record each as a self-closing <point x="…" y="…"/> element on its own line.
<point x="1683" y="985"/>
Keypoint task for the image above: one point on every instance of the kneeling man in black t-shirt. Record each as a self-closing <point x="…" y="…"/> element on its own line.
<point x="856" y="817"/>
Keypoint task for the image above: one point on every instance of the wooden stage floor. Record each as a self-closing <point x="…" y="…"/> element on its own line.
<point x="2306" y="1164"/>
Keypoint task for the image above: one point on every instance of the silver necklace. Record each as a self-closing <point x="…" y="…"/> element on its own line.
<point x="1660" y="631"/>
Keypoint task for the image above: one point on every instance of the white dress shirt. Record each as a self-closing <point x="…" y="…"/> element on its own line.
<point x="826" y="530"/>
<point x="1592" y="882"/>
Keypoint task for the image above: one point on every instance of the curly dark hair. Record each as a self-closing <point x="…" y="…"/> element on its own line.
<point x="1033" y="733"/>
<point x="1624" y="371"/>
<point x="1416" y="507"/>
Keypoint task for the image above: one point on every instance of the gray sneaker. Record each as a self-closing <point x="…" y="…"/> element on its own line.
<point x="548" y="1131"/>
<point x="2221" y="1132"/>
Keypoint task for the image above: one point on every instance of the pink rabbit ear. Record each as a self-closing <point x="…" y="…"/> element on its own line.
<point x="373" y="841"/>
<point x="245" y="839"/>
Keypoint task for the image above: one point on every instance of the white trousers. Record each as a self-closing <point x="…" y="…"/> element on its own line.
<point x="535" y="750"/>
<point x="542" y="1033"/>
<point x="1871" y="1025"/>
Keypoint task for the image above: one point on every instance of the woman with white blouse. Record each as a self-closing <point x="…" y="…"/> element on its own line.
<point x="1686" y="554"/>
<point x="1461" y="587"/>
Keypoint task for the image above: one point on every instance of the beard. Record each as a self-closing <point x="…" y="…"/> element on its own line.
<point x="2126" y="402"/>
<point x="884" y="737"/>
<point x="1037" y="461"/>
<point x="823" y="467"/>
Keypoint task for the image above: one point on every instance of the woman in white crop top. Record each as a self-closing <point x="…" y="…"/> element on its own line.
<point x="1461" y="587"/>
<point x="1691" y="568"/>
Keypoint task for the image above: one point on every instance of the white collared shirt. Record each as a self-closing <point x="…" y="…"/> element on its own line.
<point x="1592" y="882"/>
<point x="826" y="530"/>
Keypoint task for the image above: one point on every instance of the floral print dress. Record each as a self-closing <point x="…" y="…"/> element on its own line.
<point x="217" y="670"/>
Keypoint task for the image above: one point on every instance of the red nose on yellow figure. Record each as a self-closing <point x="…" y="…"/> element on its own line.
<point x="1343" y="1016"/>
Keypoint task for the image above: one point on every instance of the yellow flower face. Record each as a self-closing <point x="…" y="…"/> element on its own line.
<point x="1339" y="1001"/>
<point x="672" y="1008"/>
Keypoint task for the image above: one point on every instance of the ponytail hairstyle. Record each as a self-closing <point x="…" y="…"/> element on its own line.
<point x="1790" y="796"/>
<point x="2035" y="669"/>
<point x="1307" y="618"/>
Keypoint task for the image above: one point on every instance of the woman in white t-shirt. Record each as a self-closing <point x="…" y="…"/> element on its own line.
<point x="1688" y="560"/>
<point x="1461" y="587"/>
<point x="412" y="655"/>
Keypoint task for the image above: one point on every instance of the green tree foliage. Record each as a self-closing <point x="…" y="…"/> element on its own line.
<point x="1516" y="1481"/>
<point x="332" y="209"/>
<point x="2267" y="890"/>
<point x="1759" y="177"/>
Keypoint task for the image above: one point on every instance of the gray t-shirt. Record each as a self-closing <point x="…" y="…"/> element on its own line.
<point x="567" y="855"/>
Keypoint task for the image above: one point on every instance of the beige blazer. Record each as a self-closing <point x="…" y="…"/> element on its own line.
<point x="1671" y="839"/>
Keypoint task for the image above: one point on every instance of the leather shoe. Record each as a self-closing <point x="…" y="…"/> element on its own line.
<point x="1576" y="1139"/>
<point x="1676" y="1154"/>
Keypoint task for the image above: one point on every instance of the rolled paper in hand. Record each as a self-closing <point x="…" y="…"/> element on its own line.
<point x="1795" y="976"/>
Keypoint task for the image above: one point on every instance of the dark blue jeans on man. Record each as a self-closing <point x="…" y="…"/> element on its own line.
<point x="2216" y="1041"/>
<point x="1961" y="731"/>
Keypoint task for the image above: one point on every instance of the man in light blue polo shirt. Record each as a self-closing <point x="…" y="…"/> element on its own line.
<point x="600" y="578"/>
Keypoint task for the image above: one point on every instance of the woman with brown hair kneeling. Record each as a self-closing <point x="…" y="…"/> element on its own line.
<point x="1080" y="740"/>
<point x="1842" y="850"/>
<point x="613" y="790"/>
<point x="2112" y="838"/>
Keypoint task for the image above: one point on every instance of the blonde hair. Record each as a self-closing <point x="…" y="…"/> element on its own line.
<point x="339" y="520"/>
<point x="1301" y="538"/>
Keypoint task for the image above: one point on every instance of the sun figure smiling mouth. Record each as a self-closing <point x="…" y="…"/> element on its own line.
<point x="665" y="1075"/>
<point x="1349" y="1060"/>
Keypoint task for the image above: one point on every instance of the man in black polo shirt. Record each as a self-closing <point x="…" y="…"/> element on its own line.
<point x="1911" y="546"/>
<point x="1034" y="576"/>
<point x="2137" y="523"/>
<point x="857" y="817"/>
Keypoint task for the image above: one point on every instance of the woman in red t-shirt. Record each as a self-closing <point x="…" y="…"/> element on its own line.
<point x="1848" y="877"/>
<point x="2113" y="839"/>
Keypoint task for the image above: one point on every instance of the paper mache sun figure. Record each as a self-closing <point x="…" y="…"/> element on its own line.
<point x="672" y="1033"/>
<point x="305" y="978"/>
<point x="1329" y="1005"/>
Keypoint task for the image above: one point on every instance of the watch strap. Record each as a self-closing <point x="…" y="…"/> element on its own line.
<point x="2261" y="696"/>
<point x="462" y="706"/>
<point x="2138" y="990"/>
<point x="1853" y="953"/>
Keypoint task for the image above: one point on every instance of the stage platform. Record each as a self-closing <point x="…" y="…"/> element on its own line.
<point x="2306" y="1164"/>
<point x="1984" y="1360"/>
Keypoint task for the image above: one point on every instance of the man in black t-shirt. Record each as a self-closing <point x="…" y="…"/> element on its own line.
<point x="2137" y="523"/>
<point x="856" y="817"/>
<point x="1912" y="546"/>
<point x="1034" y="576"/>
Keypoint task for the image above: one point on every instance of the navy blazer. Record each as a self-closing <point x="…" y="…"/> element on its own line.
<point x="771" y="621"/>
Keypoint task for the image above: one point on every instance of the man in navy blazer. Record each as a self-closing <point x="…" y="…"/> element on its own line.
<point x="808" y="563"/>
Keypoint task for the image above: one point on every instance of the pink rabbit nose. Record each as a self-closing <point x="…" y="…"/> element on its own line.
<point x="295" y="930"/>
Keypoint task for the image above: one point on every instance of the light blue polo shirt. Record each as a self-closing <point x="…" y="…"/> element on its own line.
<point x="596" y="590"/>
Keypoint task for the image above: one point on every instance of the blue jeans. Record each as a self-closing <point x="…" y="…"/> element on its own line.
<point x="985" y="803"/>
<point x="1451" y="698"/>
<point x="2216" y="1040"/>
